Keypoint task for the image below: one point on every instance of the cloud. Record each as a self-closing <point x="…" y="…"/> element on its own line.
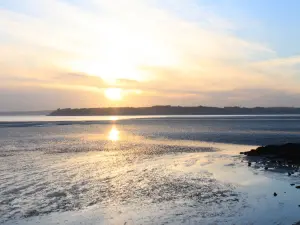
<point x="237" y="97"/>
<point x="40" y="98"/>
<point x="79" y="79"/>
<point x="180" y="50"/>
<point x="135" y="28"/>
<point x="255" y="97"/>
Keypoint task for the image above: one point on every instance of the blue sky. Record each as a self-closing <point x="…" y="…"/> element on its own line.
<point x="277" y="21"/>
<point x="209" y="52"/>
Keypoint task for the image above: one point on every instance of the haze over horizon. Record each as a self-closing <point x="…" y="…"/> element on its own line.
<point x="101" y="53"/>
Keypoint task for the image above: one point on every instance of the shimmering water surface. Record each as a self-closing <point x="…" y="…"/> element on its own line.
<point x="144" y="170"/>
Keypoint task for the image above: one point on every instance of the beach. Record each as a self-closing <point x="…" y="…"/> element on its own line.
<point x="150" y="170"/>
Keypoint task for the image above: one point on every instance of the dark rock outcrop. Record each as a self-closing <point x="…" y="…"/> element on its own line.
<point x="290" y="153"/>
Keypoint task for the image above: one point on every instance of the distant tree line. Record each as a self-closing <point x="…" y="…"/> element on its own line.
<point x="173" y="110"/>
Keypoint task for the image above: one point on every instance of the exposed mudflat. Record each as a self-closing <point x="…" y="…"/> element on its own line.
<point x="117" y="174"/>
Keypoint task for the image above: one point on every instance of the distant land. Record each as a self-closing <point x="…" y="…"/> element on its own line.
<point x="173" y="110"/>
<point x="26" y="113"/>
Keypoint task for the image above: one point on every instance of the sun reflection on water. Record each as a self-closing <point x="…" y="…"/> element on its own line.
<point x="114" y="134"/>
<point x="113" y="118"/>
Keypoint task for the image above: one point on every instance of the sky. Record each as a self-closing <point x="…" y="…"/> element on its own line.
<point x="102" y="53"/>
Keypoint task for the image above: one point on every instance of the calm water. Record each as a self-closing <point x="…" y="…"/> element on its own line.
<point x="143" y="170"/>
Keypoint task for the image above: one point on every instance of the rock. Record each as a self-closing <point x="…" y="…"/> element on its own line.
<point x="289" y="174"/>
<point x="249" y="163"/>
<point x="31" y="213"/>
<point x="266" y="168"/>
<point x="275" y="194"/>
<point x="292" y="184"/>
<point x="288" y="152"/>
<point x="298" y="187"/>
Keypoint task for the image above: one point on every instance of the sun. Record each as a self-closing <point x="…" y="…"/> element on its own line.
<point x="114" y="94"/>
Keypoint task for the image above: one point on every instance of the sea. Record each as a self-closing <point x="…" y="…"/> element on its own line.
<point x="123" y="170"/>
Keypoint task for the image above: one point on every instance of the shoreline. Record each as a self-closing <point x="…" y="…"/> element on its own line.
<point x="250" y="197"/>
<point x="147" y="171"/>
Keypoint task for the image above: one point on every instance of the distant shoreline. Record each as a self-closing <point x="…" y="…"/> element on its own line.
<point x="25" y="113"/>
<point x="174" y="110"/>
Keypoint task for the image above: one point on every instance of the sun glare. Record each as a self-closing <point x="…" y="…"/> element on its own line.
<point x="113" y="134"/>
<point x="114" y="94"/>
<point x="113" y="118"/>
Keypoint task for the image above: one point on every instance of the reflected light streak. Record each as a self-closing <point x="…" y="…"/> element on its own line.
<point x="113" y="118"/>
<point x="114" y="134"/>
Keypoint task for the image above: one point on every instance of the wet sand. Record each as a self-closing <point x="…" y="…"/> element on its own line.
<point x="199" y="187"/>
<point x="146" y="171"/>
